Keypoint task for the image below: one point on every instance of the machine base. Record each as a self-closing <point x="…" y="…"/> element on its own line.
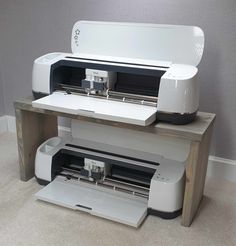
<point x="38" y="95"/>
<point x="165" y="215"/>
<point x="42" y="181"/>
<point x="176" y="118"/>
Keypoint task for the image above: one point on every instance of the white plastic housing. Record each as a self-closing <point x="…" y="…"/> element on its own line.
<point x="140" y="43"/>
<point x="178" y="49"/>
<point x="129" y="142"/>
<point x="167" y="188"/>
<point x="44" y="155"/>
<point x="41" y="71"/>
<point x="179" y="90"/>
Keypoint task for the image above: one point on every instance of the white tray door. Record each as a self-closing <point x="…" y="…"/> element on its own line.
<point x="98" y="108"/>
<point x="110" y="205"/>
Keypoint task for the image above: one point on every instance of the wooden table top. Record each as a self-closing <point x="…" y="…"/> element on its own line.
<point x="193" y="131"/>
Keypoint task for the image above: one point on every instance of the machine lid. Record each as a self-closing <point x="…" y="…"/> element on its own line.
<point x="136" y="42"/>
<point x="111" y="205"/>
<point x="98" y="108"/>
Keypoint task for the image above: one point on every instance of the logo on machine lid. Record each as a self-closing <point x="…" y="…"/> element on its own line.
<point x="76" y="37"/>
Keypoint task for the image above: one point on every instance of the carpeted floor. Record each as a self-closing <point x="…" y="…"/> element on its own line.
<point x="24" y="221"/>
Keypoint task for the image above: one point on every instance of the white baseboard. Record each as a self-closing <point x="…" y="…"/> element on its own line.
<point x="7" y="124"/>
<point x="3" y="124"/>
<point x="11" y="123"/>
<point x="220" y="168"/>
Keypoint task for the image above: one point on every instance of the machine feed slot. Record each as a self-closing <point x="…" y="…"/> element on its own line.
<point x="69" y="75"/>
<point x="147" y="85"/>
<point x="98" y="166"/>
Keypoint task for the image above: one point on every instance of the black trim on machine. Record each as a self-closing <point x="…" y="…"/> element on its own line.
<point x="125" y="63"/>
<point x="165" y="215"/>
<point x="72" y="72"/>
<point x="107" y="67"/>
<point x="113" y="154"/>
<point x="120" y="169"/>
<point x="176" y="118"/>
<point x="107" y="159"/>
<point x="38" y="95"/>
<point x="42" y="181"/>
<point x="82" y="206"/>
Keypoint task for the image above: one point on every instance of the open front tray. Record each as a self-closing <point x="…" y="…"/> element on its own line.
<point x="98" y="108"/>
<point x="109" y="204"/>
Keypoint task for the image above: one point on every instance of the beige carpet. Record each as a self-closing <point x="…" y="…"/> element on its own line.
<point x="24" y="221"/>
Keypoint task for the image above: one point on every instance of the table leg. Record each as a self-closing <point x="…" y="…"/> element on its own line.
<point x="32" y="129"/>
<point x="195" y="177"/>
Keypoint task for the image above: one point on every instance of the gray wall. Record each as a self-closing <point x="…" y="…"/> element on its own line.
<point x="2" y="110"/>
<point x="31" y="28"/>
<point x="1" y="94"/>
<point x="1" y="99"/>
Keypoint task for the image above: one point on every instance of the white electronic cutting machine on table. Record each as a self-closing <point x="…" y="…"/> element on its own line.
<point x="128" y="73"/>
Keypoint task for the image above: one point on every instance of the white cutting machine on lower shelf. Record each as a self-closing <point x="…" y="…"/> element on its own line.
<point x="122" y="177"/>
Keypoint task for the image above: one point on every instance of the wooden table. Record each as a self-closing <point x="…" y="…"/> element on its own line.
<point x="35" y="125"/>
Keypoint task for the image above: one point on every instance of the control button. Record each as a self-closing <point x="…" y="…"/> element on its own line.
<point x="75" y="37"/>
<point x="77" y="31"/>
